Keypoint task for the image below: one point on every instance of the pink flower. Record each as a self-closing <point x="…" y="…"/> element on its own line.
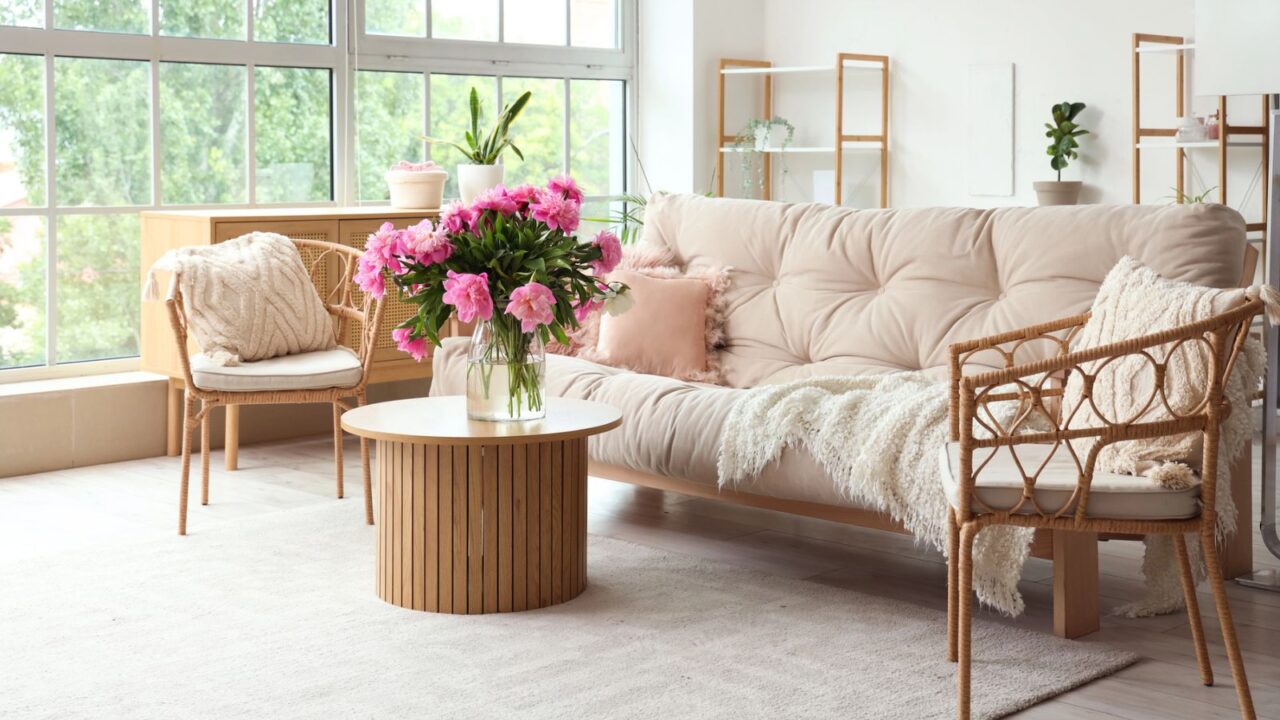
<point x="427" y="245"/>
<point x="457" y="218"/>
<point x="524" y="195"/>
<point x="610" y="252"/>
<point x="566" y="188"/>
<point x="556" y="211"/>
<point x="469" y="293"/>
<point x="495" y="198"/>
<point x="369" y="275"/>
<point x="406" y="166"/>
<point x="382" y="246"/>
<point x="582" y="311"/>
<point x="88" y="275"/>
<point x="417" y="347"/>
<point x="531" y="304"/>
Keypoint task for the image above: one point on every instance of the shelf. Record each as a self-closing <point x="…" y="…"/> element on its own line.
<point x="1160" y="48"/>
<point x="1155" y="144"/>
<point x="850" y="145"/>
<point x="849" y="64"/>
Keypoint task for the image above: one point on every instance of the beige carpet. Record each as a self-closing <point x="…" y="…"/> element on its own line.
<point x="275" y="617"/>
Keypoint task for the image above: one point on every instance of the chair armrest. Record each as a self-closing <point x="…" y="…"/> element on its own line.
<point x="178" y="322"/>
<point x="1007" y="344"/>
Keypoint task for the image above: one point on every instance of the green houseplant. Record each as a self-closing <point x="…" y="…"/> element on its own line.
<point x="483" y="151"/>
<point x="759" y="136"/>
<point x="1063" y="148"/>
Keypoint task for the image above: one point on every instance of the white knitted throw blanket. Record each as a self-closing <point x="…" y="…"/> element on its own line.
<point x="878" y="438"/>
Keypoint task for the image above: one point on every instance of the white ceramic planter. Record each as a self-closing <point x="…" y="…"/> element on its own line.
<point x="1054" y="192"/>
<point x="475" y="179"/>
<point x="416" y="189"/>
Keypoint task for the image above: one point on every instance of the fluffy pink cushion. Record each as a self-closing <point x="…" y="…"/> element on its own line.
<point x="675" y="327"/>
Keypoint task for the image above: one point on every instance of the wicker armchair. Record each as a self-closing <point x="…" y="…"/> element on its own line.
<point x="312" y="380"/>
<point x="1038" y="452"/>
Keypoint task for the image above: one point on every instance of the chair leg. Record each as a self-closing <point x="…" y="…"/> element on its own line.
<point x="188" y="407"/>
<point x="205" y="407"/>
<point x="953" y="571"/>
<point x="965" y="612"/>
<point x="337" y="445"/>
<point x="1213" y="563"/>
<point x="364" y="469"/>
<point x="1193" y="609"/>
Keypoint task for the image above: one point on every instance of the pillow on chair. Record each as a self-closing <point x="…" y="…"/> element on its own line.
<point x="249" y="299"/>
<point x="1134" y="301"/>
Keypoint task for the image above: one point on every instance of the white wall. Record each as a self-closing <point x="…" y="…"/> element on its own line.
<point x="1079" y="52"/>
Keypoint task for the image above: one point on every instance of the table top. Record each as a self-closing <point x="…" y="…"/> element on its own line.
<point x="444" y="421"/>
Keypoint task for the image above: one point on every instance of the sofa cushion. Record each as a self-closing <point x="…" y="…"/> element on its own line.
<point x="334" y="368"/>
<point x="999" y="485"/>
<point x="820" y="290"/>
<point x="671" y="427"/>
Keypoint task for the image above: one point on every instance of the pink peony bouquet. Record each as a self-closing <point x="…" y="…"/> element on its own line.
<point x="510" y="259"/>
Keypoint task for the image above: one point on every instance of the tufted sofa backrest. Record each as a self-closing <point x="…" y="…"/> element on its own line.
<point x="823" y="290"/>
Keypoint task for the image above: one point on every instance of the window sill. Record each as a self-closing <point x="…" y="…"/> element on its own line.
<point x="34" y="387"/>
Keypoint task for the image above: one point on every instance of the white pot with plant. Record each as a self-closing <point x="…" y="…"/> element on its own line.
<point x="1062" y="134"/>
<point x="483" y="170"/>
<point x="416" y="186"/>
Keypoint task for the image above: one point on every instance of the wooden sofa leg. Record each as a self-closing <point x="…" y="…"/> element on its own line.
<point x="1237" y="551"/>
<point x="1075" y="583"/>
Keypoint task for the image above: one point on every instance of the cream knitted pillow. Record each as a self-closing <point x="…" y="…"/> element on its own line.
<point x="1133" y="301"/>
<point x="249" y="299"/>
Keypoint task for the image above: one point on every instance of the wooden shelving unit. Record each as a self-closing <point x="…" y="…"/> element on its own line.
<point x="843" y="141"/>
<point x="1164" y="138"/>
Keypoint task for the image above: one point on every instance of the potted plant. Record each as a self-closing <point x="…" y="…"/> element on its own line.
<point x="483" y="171"/>
<point x="1062" y="134"/>
<point x="758" y="136"/>
<point x="416" y="186"/>
<point x="510" y="263"/>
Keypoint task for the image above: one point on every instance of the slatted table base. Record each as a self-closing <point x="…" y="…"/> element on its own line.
<point x="481" y="528"/>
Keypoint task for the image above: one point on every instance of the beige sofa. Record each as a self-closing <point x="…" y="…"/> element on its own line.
<point x="821" y="290"/>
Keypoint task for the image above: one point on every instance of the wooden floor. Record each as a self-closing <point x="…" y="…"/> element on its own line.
<point x="43" y="515"/>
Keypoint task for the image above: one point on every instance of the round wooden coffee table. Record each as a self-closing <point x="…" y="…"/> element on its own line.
<point x="480" y="517"/>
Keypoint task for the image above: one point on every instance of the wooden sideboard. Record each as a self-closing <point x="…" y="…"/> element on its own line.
<point x="163" y="230"/>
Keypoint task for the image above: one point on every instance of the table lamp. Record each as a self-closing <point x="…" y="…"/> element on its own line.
<point x="1237" y="53"/>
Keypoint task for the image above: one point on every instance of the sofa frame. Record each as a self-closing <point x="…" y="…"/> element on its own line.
<point x="1074" y="554"/>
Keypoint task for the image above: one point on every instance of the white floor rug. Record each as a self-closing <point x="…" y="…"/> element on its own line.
<point x="276" y="617"/>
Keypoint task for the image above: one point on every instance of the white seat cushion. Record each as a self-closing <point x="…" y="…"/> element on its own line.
<point x="334" y="368"/>
<point x="1115" y="497"/>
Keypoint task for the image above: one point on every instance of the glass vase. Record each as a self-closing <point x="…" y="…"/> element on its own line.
<point x="505" y="371"/>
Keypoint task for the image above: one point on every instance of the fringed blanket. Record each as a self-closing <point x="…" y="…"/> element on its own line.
<point x="878" y="438"/>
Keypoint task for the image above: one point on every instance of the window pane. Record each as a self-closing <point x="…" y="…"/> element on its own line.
<point x="221" y="19"/>
<point x="22" y="131"/>
<point x="597" y="136"/>
<point x="538" y="132"/>
<point x="119" y="16"/>
<point x="291" y="21"/>
<point x="540" y="22"/>
<point x="103" y="138"/>
<point x="451" y="118"/>
<point x="390" y="121"/>
<point x="22" y="291"/>
<point x="97" y="293"/>
<point x="292" y="129"/>
<point x="23" y="13"/>
<point x="396" y="17"/>
<point x="593" y="23"/>
<point x="465" y="19"/>
<point x="202" y="134"/>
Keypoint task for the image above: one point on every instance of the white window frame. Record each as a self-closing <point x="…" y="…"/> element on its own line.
<point x="350" y="50"/>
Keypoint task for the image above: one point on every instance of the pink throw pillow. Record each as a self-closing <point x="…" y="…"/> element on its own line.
<point x="674" y="328"/>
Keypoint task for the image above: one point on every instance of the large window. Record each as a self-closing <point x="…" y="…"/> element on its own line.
<point x="112" y="107"/>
